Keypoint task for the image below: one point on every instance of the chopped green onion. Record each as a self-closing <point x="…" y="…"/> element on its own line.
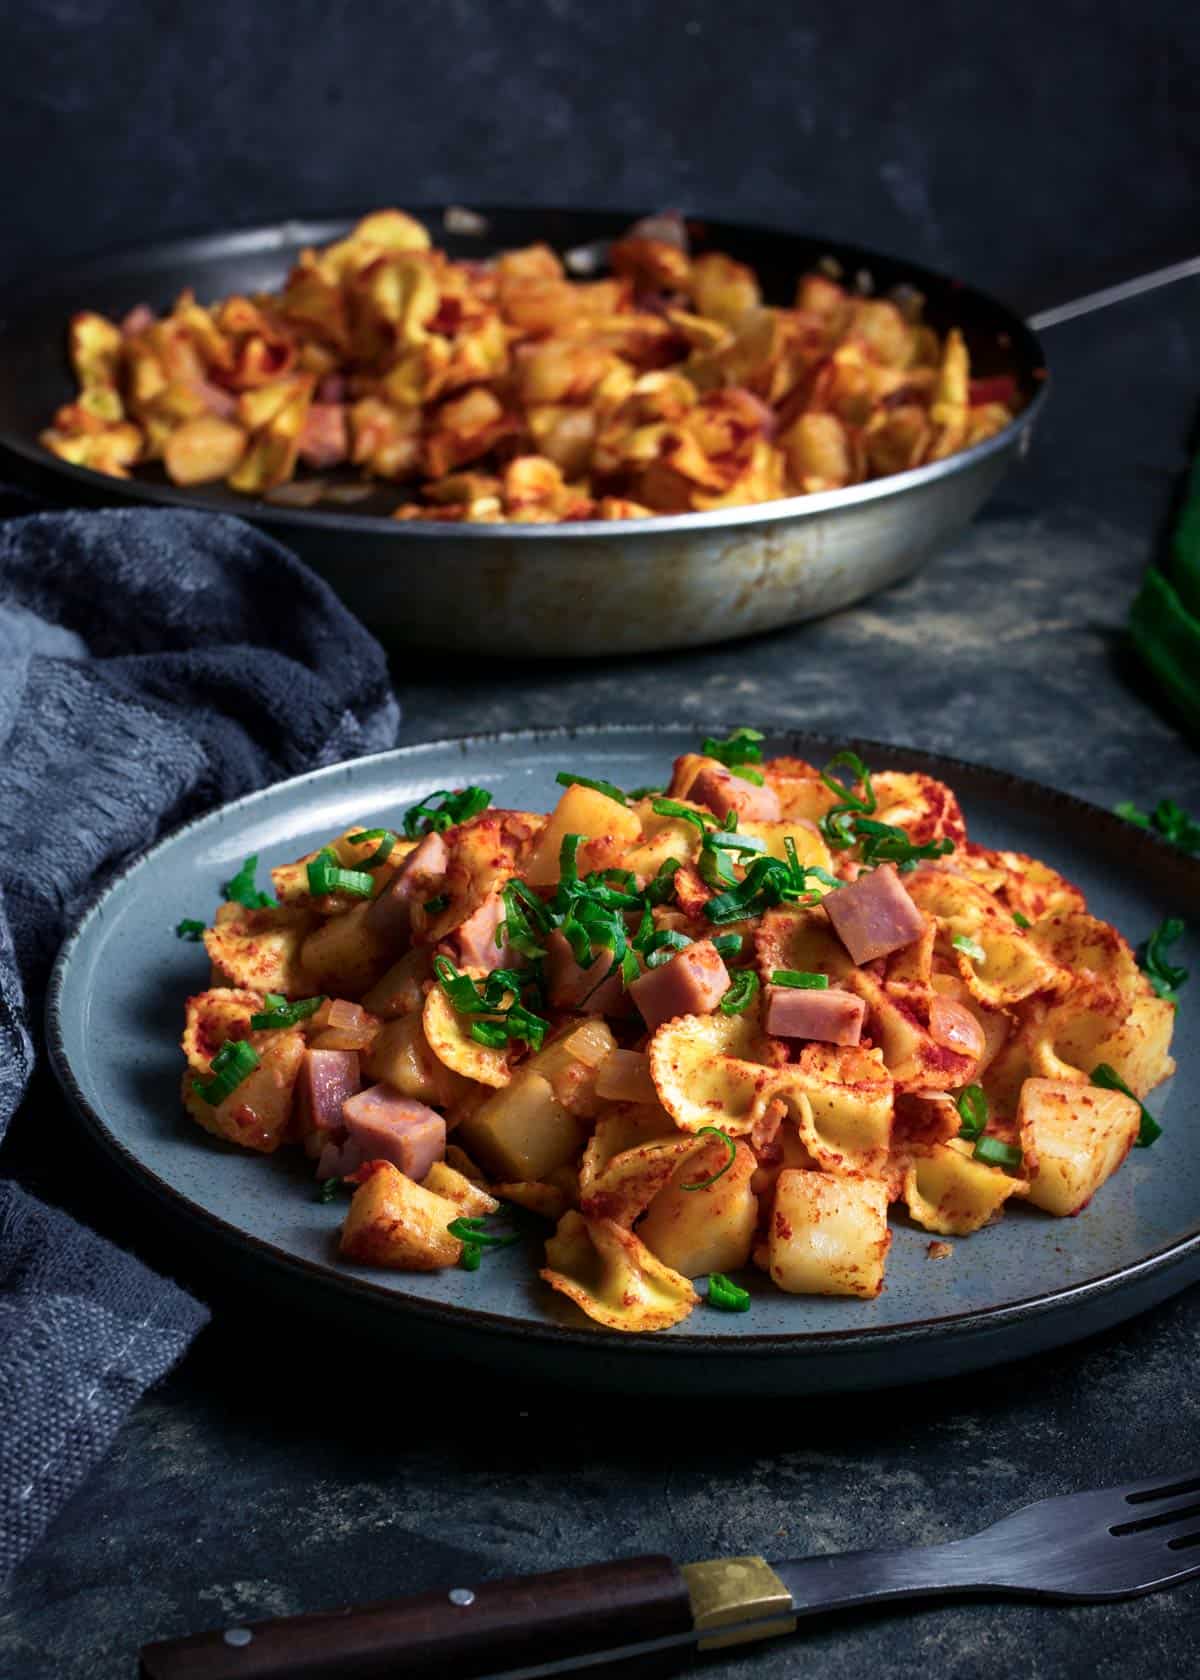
<point x="325" y="875"/>
<point x="767" y="881"/>
<point x="684" y="813"/>
<point x="435" y="906"/>
<point x="969" y="947"/>
<point x="727" y="1295"/>
<point x="515" y="1021"/>
<point x="972" y="1105"/>
<point x="241" y="889"/>
<point x="623" y="878"/>
<point x="1021" y="921"/>
<point x="383" y="850"/>
<point x="472" y="1230"/>
<point x="835" y="825"/>
<point x="743" y="989"/>
<point x="284" y="1014"/>
<point x="994" y="1153"/>
<point x="568" y="860"/>
<point x="526" y="920"/>
<point x="800" y="979"/>
<point x="470" y="1257"/>
<point x="567" y="778"/>
<point x="328" y="1189"/>
<point x="1165" y="976"/>
<point x="233" y="1062"/>
<point x="885" y="843"/>
<point x="703" y="1183"/>
<point x="491" y="1033"/>
<point x="1108" y="1079"/>
<point x="661" y="947"/>
<point x="189" y="929"/>
<point x="1131" y="813"/>
<point x="1168" y="819"/>
<point x="456" y="807"/>
<point x="645" y="792"/>
<point x="729" y="945"/>
<point x="741" y="747"/>
<point x="662" y="888"/>
<point x="525" y="1027"/>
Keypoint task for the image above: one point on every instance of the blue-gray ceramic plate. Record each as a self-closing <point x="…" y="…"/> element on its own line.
<point x="1031" y="1282"/>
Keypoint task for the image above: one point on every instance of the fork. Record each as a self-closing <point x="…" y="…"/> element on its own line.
<point x="1111" y="1543"/>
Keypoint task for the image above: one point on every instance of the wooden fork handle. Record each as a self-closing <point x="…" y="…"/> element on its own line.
<point x="457" y="1634"/>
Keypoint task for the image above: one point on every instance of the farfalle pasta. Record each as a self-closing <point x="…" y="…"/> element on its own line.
<point x="512" y="390"/>
<point x="737" y="1024"/>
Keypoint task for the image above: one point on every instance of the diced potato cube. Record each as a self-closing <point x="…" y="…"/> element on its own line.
<point x="344" y="956"/>
<point x="400" y="991"/>
<point x="828" y="1234"/>
<point x="203" y="449"/>
<point x="393" y="1221"/>
<point x="522" y="1132"/>
<point x="709" y="1230"/>
<point x="608" y="827"/>
<point x="255" y="1114"/>
<point x="1074" y="1137"/>
<point x="400" y="1056"/>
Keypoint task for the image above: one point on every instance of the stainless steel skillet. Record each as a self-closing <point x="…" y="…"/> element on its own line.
<point x="576" y="589"/>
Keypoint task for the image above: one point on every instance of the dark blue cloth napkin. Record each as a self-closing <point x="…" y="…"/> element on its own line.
<point x="152" y="665"/>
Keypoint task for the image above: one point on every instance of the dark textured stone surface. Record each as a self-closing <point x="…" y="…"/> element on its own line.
<point x="286" y="1467"/>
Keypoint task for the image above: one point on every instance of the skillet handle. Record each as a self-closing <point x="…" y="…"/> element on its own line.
<point x="458" y="1634"/>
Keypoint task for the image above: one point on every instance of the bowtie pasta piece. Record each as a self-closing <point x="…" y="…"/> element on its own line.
<point x="613" y="1276"/>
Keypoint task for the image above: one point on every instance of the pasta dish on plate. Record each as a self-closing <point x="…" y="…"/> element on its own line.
<point x="735" y="1022"/>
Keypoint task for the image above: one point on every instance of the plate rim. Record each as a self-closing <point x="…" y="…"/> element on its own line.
<point x="681" y="1344"/>
<point x="280" y="233"/>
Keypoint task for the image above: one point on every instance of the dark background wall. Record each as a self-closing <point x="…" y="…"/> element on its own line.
<point x="1036" y="148"/>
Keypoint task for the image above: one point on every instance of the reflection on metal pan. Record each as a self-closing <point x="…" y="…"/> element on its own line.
<point x="590" y="588"/>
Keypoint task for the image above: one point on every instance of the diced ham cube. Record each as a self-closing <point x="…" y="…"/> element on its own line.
<point x="692" y="983"/>
<point x="325" y="436"/>
<point x="391" y="913"/>
<point x="874" y="916"/>
<point x="723" y="792"/>
<point x="473" y="942"/>
<point x="831" y="1016"/>
<point x="389" y="1127"/>
<point x="327" y="1079"/>
<point x="573" y="987"/>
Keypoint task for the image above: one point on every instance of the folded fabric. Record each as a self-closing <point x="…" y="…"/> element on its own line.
<point x="1164" y="622"/>
<point x="152" y="664"/>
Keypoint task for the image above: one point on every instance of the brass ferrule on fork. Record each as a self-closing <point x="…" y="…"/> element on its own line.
<point x="742" y="1596"/>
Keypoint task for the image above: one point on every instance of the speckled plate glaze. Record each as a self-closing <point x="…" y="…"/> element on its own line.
<point x="1031" y="1282"/>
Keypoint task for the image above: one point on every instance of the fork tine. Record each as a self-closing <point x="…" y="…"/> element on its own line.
<point x="1159" y="1487"/>
<point x="1160" y="1516"/>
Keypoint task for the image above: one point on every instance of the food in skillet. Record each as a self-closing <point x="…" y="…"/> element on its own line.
<point x="508" y="391"/>
<point x="731" y="1023"/>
